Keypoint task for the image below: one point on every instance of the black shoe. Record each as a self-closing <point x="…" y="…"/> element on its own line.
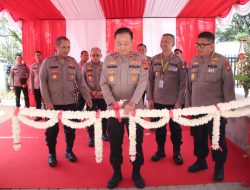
<point x="114" y="180"/>
<point x="52" y="160"/>
<point x="105" y="137"/>
<point x="218" y="172"/>
<point x="197" y="166"/>
<point x="138" y="180"/>
<point x="71" y="156"/>
<point x="91" y="142"/>
<point x="157" y="156"/>
<point x="38" y="118"/>
<point x="178" y="159"/>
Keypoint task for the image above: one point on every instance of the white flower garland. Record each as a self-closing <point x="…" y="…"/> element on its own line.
<point x="87" y="116"/>
<point x="232" y="109"/>
<point x="26" y="112"/>
<point x="98" y="140"/>
<point x="16" y="133"/>
<point x="132" y="138"/>
<point x="216" y="131"/>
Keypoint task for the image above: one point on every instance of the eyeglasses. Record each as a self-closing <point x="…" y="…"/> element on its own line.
<point x="95" y="55"/>
<point x="201" y="45"/>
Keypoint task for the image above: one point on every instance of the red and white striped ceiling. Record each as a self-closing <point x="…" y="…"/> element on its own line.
<point x="96" y="9"/>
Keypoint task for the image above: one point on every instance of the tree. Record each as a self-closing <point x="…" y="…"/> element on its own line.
<point x="238" y="29"/>
<point x="10" y="42"/>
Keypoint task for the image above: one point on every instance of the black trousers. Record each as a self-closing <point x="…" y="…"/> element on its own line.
<point x="98" y="104"/>
<point x="200" y="135"/>
<point x="18" y="90"/>
<point x="116" y="133"/>
<point x="38" y="98"/>
<point x="52" y="132"/>
<point x="175" y="129"/>
<point x="80" y="102"/>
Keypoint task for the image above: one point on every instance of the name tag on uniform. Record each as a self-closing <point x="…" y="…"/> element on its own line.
<point x="171" y="68"/>
<point x="161" y="83"/>
<point x="211" y="70"/>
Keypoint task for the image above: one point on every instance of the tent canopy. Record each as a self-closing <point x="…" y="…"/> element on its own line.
<point x="113" y="9"/>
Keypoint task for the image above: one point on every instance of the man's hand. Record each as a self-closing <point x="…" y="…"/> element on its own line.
<point x="49" y="106"/>
<point x="89" y="103"/>
<point x="94" y="94"/>
<point x="99" y="94"/>
<point x="129" y="108"/>
<point x="151" y="104"/>
<point x="177" y="105"/>
<point x="12" y="88"/>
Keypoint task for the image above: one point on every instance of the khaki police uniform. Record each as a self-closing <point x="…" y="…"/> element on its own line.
<point x="19" y="74"/>
<point x="147" y="63"/>
<point x="58" y="78"/>
<point x="123" y="78"/>
<point x="167" y="81"/>
<point x="35" y="83"/>
<point x="210" y="82"/>
<point x="80" y="102"/>
<point x="92" y="74"/>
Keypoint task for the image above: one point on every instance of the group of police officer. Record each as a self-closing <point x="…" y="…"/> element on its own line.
<point x="124" y="76"/>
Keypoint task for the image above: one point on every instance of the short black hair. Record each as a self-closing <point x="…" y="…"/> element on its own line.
<point x="84" y="51"/>
<point x="18" y="55"/>
<point x="177" y="49"/>
<point x="60" y="39"/>
<point x="124" y="30"/>
<point x="142" y="45"/>
<point x="37" y="51"/>
<point x="208" y="35"/>
<point x="170" y="35"/>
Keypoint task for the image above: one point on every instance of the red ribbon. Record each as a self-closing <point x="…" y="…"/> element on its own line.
<point x="97" y="113"/>
<point x="16" y="112"/>
<point x="171" y="114"/>
<point x="133" y="112"/>
<point x="116" y="108"/>
<point x="217" y="107"/>
<point x="59" y="116"/>
<point x="220" y="149"/>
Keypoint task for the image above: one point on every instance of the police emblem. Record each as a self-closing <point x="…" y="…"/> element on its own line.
<point x="111" y="78"/>
<point x="134" y="78"/>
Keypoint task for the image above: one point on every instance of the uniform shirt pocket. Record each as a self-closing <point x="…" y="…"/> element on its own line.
<point x="157" y="71"/>
<point x="71" y="74"/>
<point x="173" y="71"/>
<point x="194" y="75"/>
<point x="211" y="75"/>
<point x="133" y="75"/>
<point x="112" y="76"/>
<point x="54" y="74"/>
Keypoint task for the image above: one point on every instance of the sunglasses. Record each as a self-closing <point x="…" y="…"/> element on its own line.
<point x="201" y="45"/>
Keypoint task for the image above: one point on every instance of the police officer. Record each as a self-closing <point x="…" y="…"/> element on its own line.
<point x="19" y="75"/>
<point x="92" y="73"/>
<point x="80" y="100"/>
<point x="84" y="59"/>
<point x="58" y="76"/>
<point x="123" y="78"/>
<point x="35" y="82"/>
<point x="178" y="52"/>
<point x="210" y="82"/>
<point x="167" y="80"/>
<point x="142" y="50"/>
